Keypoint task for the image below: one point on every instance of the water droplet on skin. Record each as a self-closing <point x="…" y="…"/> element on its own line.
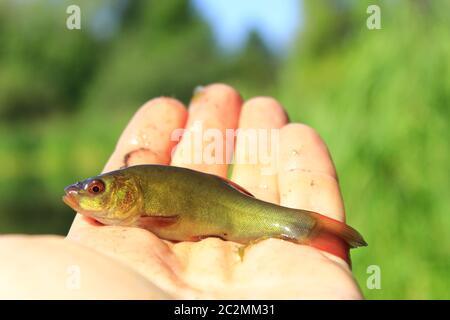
<point x="134" y="140"/>
<point x="140" y="138"/>
<point x="146" y="141"/>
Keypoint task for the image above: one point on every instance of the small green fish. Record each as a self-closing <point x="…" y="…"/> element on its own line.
<point x="185" y="205"/>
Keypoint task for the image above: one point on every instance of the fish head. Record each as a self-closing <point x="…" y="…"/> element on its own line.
<point x="111" y="198"/>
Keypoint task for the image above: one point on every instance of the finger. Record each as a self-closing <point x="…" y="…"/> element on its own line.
<point x="307" y="180"/>
<point x="147" y="139"/>
<point x="256" y="147"/>
<point x="205" y="145"/>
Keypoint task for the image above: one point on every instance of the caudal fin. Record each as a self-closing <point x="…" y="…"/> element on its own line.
<point x="343" y="231"/>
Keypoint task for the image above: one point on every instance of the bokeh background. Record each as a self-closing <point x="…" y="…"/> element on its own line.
<point x="379" y="98"/>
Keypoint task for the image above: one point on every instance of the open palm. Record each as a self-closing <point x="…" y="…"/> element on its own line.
<point x="212" y="268"/>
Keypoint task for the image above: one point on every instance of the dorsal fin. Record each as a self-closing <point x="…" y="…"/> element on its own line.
<point x="237" y="187"/>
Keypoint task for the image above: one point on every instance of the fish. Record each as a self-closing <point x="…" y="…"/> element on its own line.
<point x="181" y="204"/>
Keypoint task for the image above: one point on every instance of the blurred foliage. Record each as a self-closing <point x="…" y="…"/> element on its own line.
<point x="379" y="98"/>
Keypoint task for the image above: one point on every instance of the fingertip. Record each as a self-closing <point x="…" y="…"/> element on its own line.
<point x="306" y="173"/>
<point x="304" y="131"/>
<point x="222" y="88"/>
<point x="213" y="99"/>
<point x="263" y="112"/>
<point x="148" y="139"/>
<point x="303" y="143"/>
<point x="162" y="106"/>
<point x="213" y="113"/>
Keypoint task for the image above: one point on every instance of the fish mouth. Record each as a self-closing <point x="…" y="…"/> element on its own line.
<point x="70" y="200"/>
<point x="70" y="195"/>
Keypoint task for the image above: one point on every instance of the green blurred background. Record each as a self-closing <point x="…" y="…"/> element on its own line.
<point x="379" y="98"/>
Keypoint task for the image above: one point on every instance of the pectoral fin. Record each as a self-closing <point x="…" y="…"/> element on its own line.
<point x="152" y="222"/>
<point x="237" y="187"/>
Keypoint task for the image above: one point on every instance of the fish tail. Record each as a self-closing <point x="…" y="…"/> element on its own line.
<point x="327" y="225"/>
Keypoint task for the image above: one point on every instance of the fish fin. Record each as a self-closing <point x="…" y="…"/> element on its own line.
<point x="149" y="222"/>
<point x="237" y="187"/>
<point x="201" y="237"/>
<point x="241" y="251"/>
<point x="332" y="244"/>
<point x="352" y="237"/>
<point x="242" y="248"/>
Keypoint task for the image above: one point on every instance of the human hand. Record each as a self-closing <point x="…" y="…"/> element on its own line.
<point x="211" y="268"/>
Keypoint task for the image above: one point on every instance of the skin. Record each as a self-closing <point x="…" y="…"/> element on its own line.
<point x="210" y="268"/>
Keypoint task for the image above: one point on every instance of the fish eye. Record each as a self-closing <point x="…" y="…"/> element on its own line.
<point x="95" y="187"/>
